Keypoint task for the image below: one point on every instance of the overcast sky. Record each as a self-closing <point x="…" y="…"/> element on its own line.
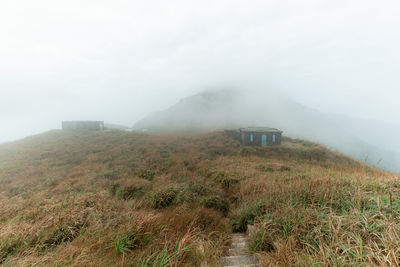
<point x="119" y="60"/>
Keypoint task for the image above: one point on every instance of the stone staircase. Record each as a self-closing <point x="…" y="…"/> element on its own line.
<point x="238" y="255"/>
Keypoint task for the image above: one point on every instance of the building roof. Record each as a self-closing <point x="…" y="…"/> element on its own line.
<point x="82" y="121"/>
<point x="260" y="130"/>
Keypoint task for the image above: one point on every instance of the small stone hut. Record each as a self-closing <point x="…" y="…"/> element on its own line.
<point x="260" y="136"/>
<point x="83" y="125"/>
<point x="256" y="136"/>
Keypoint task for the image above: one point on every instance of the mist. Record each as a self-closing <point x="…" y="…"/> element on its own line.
<point x="119" y="61"/>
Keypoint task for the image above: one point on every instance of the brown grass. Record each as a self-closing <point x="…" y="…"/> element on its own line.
<point x="115" y="198"/>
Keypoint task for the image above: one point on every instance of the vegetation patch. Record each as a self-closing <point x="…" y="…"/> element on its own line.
<point x="217" y="203"/>
<point x="261" y="240"/>
<point x="130" y="241"/>
<point x="7" y="248"/>
<point x="193" y="192"/>
<point x="268" y="168"/>
<point x="225" y="180"/>
<point x="273" y="168"/>
<point x="247" y="214"/>
<point x="109" y="175"/>
<point x="166" y="257"/>
<point x="129" y="192"/>
<point x="64" y="233"/>
<point x="164" y="198"/>
<point x="318" y="207"/>
<point x="146" y="174"/>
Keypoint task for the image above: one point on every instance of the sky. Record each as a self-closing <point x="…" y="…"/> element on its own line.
<point x="120" y="60"/>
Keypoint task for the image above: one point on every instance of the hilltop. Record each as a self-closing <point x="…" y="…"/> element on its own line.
<point x="372" y="141"/>
<point x="117" y="198"/>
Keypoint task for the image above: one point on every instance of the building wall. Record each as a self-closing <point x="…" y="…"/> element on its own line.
<point x="257" y="138"/>
<point x="83" y="125"/>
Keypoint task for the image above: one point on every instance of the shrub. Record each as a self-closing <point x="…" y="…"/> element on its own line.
<point x="113" y="189"/>
<point x="239" y="223"/>
<point x="165" y="257"/>
<point x="191" y="193"/>
<point x="211" y="221"/>
<point x="7" y="248"/>
<point x="228" y="182"/>
<point x="247" y="215"/>
<point x="164" y="198"/>
<point x="129" y="192"/>
<point x="225" y="180"/>
<point x="147" y="174"/>
<point x="130" y="241"/>
<point x="217" y="203"/>
<point x="268" y="168"/>
<point x="261" y="241"/>
<point x="64" y="233"/>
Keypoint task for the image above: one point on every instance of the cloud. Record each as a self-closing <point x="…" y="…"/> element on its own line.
<point x="119" y="60"/>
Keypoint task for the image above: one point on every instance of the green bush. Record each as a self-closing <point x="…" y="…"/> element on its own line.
<point x="228" y="182"/>
<point x="239" y="223"/>
<point x="130" y="241"/>
<point x="129" y="192"/>
<point x="268" y="168"/>
<point x="7" y="248"/>
<point x="247" y="215"/>
<point x="164" y="198"/>
<point x="225" y="181"/>
<point x="64" y="233"/>
<point x="261" y="241"/>
<point x="191" y="193"/>
<point x="165" y="257"/>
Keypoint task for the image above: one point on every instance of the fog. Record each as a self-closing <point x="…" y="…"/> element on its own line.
<point x="119" y="61"/>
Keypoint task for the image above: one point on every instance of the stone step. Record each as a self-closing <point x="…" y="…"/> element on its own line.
<point x="237" y="252"/>
<point x="239" y="236"/>
<point x="239" y="260"/>
<point x="239" y="245"/>
<point x="239" y="241"/>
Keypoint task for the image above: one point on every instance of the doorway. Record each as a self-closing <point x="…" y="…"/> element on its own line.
<point x="264" y="140"/>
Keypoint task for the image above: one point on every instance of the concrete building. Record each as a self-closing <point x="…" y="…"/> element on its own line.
<point x="257" y="136"/>
<point x="83" y="125"/>
<point x="260" y="136"/>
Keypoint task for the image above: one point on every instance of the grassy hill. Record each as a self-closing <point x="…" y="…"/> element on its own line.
<point x="213" y="110"/>
<point x="117" y="198"/>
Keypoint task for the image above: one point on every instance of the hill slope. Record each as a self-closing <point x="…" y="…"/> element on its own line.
<point x="224" y="109"/>
<point x="116" y="198"/>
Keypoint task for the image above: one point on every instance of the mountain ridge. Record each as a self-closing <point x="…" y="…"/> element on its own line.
<point x="229" y="109"/>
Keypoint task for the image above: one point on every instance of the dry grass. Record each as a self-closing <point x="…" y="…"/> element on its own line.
<point x="115" y="198"/>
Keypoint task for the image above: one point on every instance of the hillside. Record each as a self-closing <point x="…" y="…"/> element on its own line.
<point x="375" y="142"/>
<point x="118" y="198"/>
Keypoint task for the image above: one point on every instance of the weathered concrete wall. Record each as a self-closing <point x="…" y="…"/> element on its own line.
<point x="83" y="125"/>
<point x="272" y="137"/>
<point x="257" y="138"/>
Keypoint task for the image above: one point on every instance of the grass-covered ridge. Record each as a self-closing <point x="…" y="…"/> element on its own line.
<point x="117" y="198"/>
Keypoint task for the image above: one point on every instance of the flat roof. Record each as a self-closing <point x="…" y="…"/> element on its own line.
<point x="260" y="129"/>
<point x="82" y="121"/>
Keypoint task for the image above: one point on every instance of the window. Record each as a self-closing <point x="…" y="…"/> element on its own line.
<point x="274" y="138"/>
<point x="251" y="138"/>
